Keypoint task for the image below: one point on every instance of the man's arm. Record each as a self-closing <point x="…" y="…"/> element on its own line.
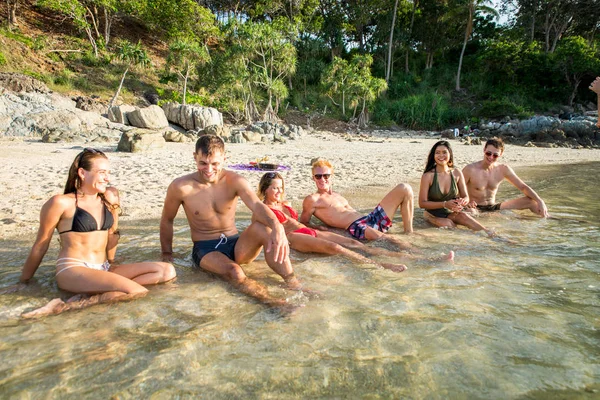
<point x="308" y="209"/>
<point x="595" y="87"/>
<point x="510" y="176"/>
<point x="171" y="206"/>
<point x="466" y="172"/>
<point x="264" y="215"/>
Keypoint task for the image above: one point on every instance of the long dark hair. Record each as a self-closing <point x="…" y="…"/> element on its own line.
<point x="82" y="160"/>
<point x="265" y="182"/>
<point x="431" y="157"/>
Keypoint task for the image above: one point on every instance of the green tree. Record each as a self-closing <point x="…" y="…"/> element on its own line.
<point x="337" y="81"/>
<point x="271" y="57"/>
<point x="365" y="87"/>
<point x="130" y="55"/>
<point x="471" y="7"/>
<point x="184" y="55"/>
<point x="576" y="59"/>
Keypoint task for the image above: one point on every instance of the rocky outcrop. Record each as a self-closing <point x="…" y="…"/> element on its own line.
<point x="138" y="140"/>
<point x="191" y="117"/>
<point x="20" y="83"/>
<point x="53" y="117"/>
<point x="541" y="131"/>
<point x="266" y="132"/>
<point x="90" y="104"/>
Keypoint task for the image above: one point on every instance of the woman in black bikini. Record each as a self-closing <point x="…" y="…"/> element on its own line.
<point x="86" y="217"/>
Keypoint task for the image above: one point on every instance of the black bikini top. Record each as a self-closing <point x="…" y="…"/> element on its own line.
<point x="83" y="221"/>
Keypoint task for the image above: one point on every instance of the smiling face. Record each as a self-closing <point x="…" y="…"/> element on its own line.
<point x="491" y="154"/>
<point x="274" y="193"/>
<point x="442" y="155"/>
<point x="209" y="166"/>
<point x="97" y="178"/>
<point x="322" y="177"/>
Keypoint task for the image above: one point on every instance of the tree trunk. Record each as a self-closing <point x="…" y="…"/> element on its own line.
<point x="412" y="22"/>
<point x="185" y="80"/>
<point x="12" y="13"/>
<point x="90" y="36"/>
<point x="574" y="91"/>
<point x="559" y="33"/>
<point x="462" y="53"/>
<point x="114" y="99"/>
<point x="391" y="44"/>
<point x="343" y="102"/>
<point x="107" y="25"/>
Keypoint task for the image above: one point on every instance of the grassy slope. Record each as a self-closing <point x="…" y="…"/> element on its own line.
<point x="27" y="50"/>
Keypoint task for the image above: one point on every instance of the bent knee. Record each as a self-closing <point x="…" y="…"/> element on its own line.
<point x="234" y="274"/>
<point x="405" y="188"/>
<point x="168" y="271"/>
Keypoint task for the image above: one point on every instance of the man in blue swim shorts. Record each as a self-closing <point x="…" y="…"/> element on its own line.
<point x="334" y="210"/>
<point x="209" y="197"/>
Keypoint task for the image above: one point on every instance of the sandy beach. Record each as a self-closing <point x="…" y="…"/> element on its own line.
<point x="34" y="171"/>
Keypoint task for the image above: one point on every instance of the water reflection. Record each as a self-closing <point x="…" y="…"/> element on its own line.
<point x="503" y="321"/>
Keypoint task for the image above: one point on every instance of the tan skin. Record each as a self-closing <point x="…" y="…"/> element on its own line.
<point x="122" y="282"/>
<point x="334" y="210"/>
<point x="595" y="87"/>
<point x="209" y="198"/>
<point x="483" y="178"/>
<point x="325" y="242"/>
<point x="442" y="157"/>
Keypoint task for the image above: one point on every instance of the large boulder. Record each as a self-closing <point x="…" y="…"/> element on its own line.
<point x="192" y="117"/>
<point x="178" y="137"/>
<point x="217" y="130"/>
<point x="118" y="114"/>
<point x="138" y="140"/>
<point x="251" y="136"/>
<point x="537" y="124"/>
<point x="22" y="83"/>
<point x="152" y="117"/>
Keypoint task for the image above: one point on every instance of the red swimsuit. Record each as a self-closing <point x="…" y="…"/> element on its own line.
<point x="282" y="218"/>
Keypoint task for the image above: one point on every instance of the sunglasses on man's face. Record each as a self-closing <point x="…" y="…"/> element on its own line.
<point x="490" y="154"/>
<point x="322" y="176"/>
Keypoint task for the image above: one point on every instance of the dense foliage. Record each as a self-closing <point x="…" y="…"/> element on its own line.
<point x="417" y="63"/>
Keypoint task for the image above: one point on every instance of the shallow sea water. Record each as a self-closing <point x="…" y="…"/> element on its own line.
<point x="506" y="320"/>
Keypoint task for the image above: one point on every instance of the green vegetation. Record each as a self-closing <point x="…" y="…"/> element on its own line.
<point x="424" y="64"/>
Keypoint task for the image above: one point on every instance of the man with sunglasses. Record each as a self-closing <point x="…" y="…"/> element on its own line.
<point x="484" y="177"/>
<point x="334" y="210"/>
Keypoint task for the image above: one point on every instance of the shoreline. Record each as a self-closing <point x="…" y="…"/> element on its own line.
<point x="34" y="171"/>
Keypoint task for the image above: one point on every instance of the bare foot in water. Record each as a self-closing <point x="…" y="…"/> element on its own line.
<point x="53" y="307"/>
<point x="395" y="267"/>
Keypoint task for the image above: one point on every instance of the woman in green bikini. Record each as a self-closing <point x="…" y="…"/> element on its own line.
<point x="443" y="192"/>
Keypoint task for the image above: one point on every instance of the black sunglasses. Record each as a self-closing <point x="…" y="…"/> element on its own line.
<point x="322" y="176"/>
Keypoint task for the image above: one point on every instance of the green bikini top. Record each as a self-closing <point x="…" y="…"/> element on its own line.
<point x="435" y="194"/>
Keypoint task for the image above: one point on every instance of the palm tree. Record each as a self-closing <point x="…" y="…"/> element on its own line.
<point x="472" y="6"/>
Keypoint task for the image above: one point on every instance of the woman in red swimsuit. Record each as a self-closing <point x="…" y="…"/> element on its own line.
<point x="306" y="240"/>
<point x="86" y="217"/>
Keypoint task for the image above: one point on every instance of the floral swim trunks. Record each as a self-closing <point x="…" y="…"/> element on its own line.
<point x="377" y="219"/>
